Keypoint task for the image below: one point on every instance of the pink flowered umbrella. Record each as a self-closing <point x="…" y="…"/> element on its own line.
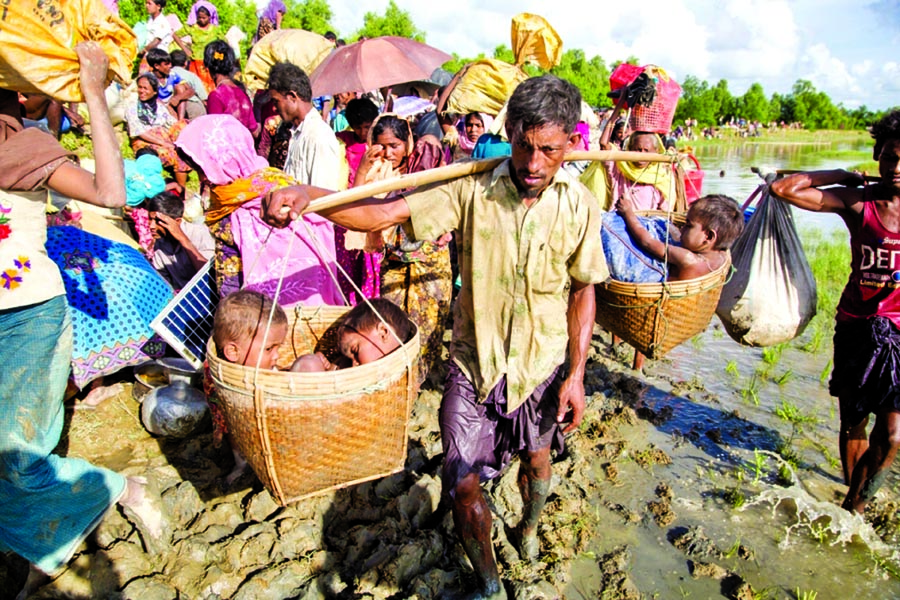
<point x="375" y="63"/>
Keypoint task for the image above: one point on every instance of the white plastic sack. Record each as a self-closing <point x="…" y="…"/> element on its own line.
<point x="772" y="295"/>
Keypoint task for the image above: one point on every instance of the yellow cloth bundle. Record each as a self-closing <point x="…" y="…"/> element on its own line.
<point x="37" y="41"/>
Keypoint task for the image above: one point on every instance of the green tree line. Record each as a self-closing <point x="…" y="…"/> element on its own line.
<point x="708" y="104"/>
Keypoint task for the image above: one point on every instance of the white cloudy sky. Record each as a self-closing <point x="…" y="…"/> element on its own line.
<point x="850" y="49"/>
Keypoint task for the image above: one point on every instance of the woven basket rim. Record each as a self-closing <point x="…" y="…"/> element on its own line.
<point x="287" y="383"/>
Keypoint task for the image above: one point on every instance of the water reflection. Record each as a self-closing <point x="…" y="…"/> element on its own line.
<point x="734" y="162"/>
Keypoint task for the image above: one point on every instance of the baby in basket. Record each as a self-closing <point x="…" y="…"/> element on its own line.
<point x="239" y="332"/>
<point x="363" y="337"/>
<point x="713" y="223"/>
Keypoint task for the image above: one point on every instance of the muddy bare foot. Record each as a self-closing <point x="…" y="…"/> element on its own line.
<point x="527" y="544"/>
<point x="142" y="506"/>
<point x="100" y="394"/>
<point x="241" y="467"/>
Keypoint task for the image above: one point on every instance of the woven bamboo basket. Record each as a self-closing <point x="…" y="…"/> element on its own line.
<point x="309" y="433"/>
<point x="656" y="317"/>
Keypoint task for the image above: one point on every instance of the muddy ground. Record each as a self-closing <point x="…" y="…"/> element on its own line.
<point x="390" y="538"/>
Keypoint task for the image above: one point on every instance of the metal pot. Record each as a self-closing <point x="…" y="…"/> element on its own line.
<point x="175" y="410"/>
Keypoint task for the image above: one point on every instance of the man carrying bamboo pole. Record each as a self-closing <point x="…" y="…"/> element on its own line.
<point x="529" y="252"/>
<point x="866" y="377"/>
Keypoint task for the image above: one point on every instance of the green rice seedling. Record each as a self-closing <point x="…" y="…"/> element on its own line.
<point x="772" y="354"/>
<point x="769" y="593"/>
<point x="789" y="412"/>
<point x="826" y="372"/>
<point x="732" y="552"/>
<point x="884" y="564"/>
<point x="732" y="369"/>
<point x="834" y="462"/>
<point x="829" y="260"/>
<point x="759" y="464"/>
<point x="697" y="342"/>
<point x="784" y="377"/>
<point x="750" y="393"/>
<point x="805" y="594"/>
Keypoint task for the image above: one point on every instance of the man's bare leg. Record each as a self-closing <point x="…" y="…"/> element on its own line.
<point x="873" y="466"/>
<point x="534" y="484"/>
<point x="472" y="518"/>
<point x="853" y="443"/>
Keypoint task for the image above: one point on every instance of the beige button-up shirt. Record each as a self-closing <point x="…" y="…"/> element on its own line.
<point x="516" y="263"/>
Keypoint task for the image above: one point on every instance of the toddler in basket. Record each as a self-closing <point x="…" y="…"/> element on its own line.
<point x="239" y="332"/>
<point x="363" y="337"/>
<point x="713" y="223"/>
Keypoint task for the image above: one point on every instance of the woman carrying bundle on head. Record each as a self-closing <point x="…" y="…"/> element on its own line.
<point x="416" y="276"/>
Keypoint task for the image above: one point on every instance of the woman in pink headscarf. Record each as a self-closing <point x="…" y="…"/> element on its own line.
<point x="249" y="253"/>
<point x="469" y="129"/>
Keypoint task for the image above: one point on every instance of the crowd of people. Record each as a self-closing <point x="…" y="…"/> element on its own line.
<point x="515" y="251"/>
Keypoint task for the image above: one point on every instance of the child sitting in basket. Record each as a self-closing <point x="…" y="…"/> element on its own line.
<point x="713" y="223"/>
<point x="239" y="328"/>
<point x="363" y="337"/>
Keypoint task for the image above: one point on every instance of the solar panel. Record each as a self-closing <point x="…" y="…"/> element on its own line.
<point x="186" y="323"/>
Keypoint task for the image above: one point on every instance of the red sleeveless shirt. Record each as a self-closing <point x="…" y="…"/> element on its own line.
<point x="874" y="285"/>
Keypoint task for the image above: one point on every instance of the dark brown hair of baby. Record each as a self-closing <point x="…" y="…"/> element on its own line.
<point x="362" y="318"/>
<point x="721" y="214"/>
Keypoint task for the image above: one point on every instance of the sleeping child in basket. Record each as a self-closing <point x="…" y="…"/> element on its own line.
<point x="363" y="337"/>
<point x="713" y="223"/>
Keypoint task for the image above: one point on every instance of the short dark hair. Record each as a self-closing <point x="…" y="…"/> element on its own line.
<point x="362" y="318"/>
<point x="151" y="79"/>
<point x="399" y="127"/>
<point x="719" y="213"/>
<point x="219" y="58"/>
<point x="329" y="35"/>
<point x="360" y="111"/>
<point x="166" y="203"/>
<point x="287" y="77"/>
<point x="146" y="150"/>
<point x="160" y="3"/>
<point x="340" y="42"/>
<point x="156" y="56"/>
<point x="887" y="128"/>
<point x="544" y="100"/>
<point x="179" y="58"/>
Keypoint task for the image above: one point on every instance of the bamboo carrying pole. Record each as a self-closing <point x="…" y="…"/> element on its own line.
<point x="462" y="169"/>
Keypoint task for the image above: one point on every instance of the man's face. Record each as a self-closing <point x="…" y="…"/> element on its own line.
<point x="889" y="164"/>
<point x="152" y="8"/>
<point x="537" y="154"/>
<point x="157" y="225"/>
<point x="287" y="105"/>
